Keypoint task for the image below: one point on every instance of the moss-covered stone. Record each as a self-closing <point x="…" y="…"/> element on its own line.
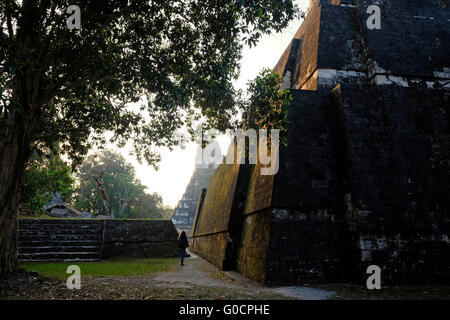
<point x="363" y="179"/>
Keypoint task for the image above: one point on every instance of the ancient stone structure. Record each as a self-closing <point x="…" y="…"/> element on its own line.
<point x="364" y="179"/>
<point x="184" y="213"/>
<point x="57" y="208"/>
<point x="92" y="239"/>
<point x="139" y="238"/>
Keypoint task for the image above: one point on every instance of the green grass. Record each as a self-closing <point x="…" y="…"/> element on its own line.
<point x="123" y="267"/>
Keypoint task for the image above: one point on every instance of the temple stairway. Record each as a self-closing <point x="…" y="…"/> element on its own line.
<point x="60" y="240"/>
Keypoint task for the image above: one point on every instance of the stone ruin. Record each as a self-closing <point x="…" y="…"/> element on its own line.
<point x="184" y="213"/>
<point x="365" y="177"/>
<point x="57" y="208"/>
<point x="94" y="239"/>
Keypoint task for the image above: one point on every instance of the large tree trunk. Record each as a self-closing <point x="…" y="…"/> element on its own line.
<point x="18" y="128"/>
<point x="14" y="153"/>
<point x="19" y="125"/>
<point x="13" y="158"/>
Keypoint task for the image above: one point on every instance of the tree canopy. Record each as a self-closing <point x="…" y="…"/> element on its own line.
<point x="267" y="104"/>
<point x="66" y="85"/>
<point x="175" y="55"/>
<point x="45" y="174"/>
<point x="127" y="195"/>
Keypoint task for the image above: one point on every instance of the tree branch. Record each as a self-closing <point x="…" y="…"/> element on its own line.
<point x="65" y="130"/>
<point x="9" y="24"/>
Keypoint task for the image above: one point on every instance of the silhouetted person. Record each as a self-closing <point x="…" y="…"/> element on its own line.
<point x="183" y="244"/>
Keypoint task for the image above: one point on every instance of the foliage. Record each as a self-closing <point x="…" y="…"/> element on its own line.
<point x="167" y="212"/>
<point x="127" y="195"/>
<point x="267" y="104"/>
<point x="45" y="174"/>
<point x="170" y="56"/>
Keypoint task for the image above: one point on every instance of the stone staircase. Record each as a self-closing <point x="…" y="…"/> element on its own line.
<point x="60" y="240"/>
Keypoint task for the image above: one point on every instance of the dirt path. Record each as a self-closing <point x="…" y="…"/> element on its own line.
<point x="199" y="277"/>
<point x="197" y="280"/>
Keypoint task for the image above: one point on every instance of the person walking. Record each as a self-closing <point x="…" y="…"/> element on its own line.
<point x="183" y="244"/>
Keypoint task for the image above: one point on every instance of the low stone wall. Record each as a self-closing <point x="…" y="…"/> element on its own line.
<point x="93" y="239"/>
<point x="139" y="238"/>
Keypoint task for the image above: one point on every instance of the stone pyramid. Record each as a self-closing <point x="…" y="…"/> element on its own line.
<point x="364" y="179"/>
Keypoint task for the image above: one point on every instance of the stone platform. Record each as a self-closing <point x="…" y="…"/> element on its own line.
<point x="91" y="240"/>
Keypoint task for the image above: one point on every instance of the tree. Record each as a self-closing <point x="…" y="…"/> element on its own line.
<point x="65" y="85"/>
<point x="127" y="196"/>
<point x="44" y="175"/>
<point x="267" y="104"/>
<point x="167" y="212"/>
<point x="147" y="206"/>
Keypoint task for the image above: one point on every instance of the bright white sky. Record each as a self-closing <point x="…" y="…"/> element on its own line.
<point x="176" y="167"/>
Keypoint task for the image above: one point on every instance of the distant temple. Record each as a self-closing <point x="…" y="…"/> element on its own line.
<point x="184" y="213"/>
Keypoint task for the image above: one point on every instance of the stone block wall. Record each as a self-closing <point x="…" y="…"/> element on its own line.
<point x="361" y="182"/>
<point x="333" y="43"/>
<point x="251" y="253"/>
<point x="365" y="176"/>
<point x="308" y="239"/>
<point x="395" y="181"/>
<point x="95" y="239"/>
<point x="209" y="237"/>
<point x="139" y="238"/>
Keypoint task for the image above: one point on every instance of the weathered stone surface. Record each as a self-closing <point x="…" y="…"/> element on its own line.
<point x="60" y="239"/>
<point x="217" y="229"/>
<point x="333" y="43"/>
<point x="201" y="199"/>
<point x="87" y="240"/>
<point x="399" y="213"/>
<point x="303" y="59"/>
<point x="365" y="176"/>
<point x="214" y="218"/>
<point x="139" y="238"/>
<point x="254" y="245"/>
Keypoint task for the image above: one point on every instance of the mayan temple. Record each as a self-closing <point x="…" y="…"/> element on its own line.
<point x="365" y="178"/>
<point x="183" y="216"/>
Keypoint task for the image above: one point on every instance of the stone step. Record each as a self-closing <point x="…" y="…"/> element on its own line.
<point x="60" y="237"/>
<point x="35" y="249"/>
<point x="59" y="255"/>
<point x="61" y="243"/>
<point x="60" y="221"/>
<point x="58" y="260"/>
<point x="58" y="231"/>
<point x="59" y="226"/>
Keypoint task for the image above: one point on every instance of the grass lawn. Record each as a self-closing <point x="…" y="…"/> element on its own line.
<point x="122" y="267"/>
